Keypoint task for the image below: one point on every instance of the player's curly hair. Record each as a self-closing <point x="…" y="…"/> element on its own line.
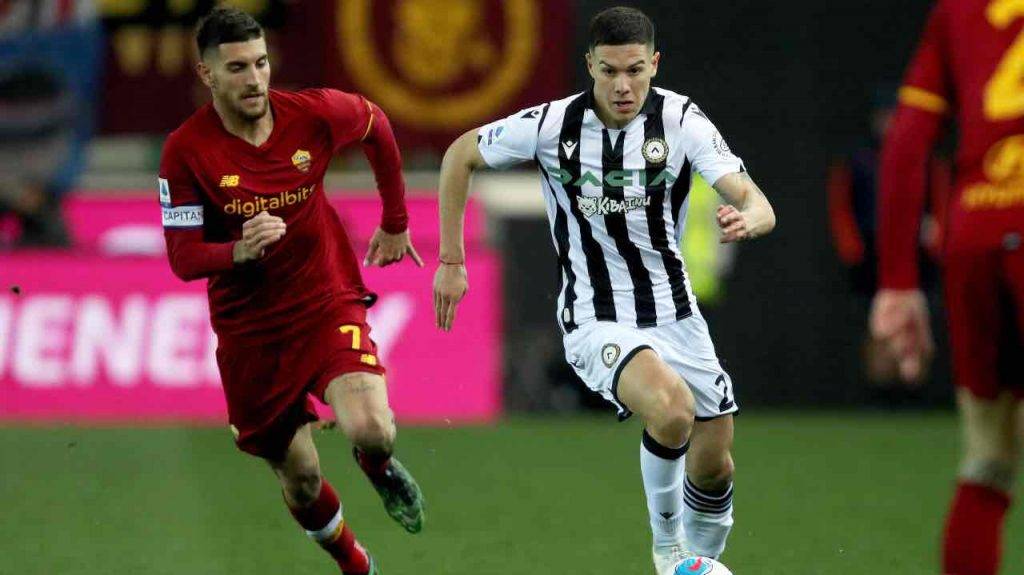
<point x="621" y="25"/>
<point x="224" y="25"/>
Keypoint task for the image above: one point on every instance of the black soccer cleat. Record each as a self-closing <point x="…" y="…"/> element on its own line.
<point x="402" y="497"/>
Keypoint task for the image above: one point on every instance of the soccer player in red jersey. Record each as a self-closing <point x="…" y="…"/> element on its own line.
<point x="969" y="66"/>
<point x="241" y="190"/>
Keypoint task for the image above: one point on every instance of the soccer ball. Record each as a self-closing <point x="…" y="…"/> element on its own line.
<point x="701" y="566"/>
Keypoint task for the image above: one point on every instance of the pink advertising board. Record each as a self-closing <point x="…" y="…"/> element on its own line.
<point x="105" y="332"/>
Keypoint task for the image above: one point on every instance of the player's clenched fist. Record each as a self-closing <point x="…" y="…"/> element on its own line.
<point x="900" y="319"/>
<point x="450" y="285"/>
<point x="733" y="224"/>
<point x="258" y="233"/>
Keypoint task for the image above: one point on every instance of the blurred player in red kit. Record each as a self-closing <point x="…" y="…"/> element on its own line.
<point x="241" y="193"/>
<point x="969" y="66"/>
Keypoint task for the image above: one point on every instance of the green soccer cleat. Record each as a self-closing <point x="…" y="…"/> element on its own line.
<point x="374" y="567"/>
<point x="402" y="497"/>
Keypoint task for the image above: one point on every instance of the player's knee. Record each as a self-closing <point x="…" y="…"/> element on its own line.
<point x="713" y="473"/>
<point x="302" y="486"/>
<point x="372" y="431"/>
<point x="994" y="473"/>
<point x="672" y="410"/>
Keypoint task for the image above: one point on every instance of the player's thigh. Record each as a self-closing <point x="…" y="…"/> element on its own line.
<point x="360" y="403"/>
<point x="687" y="348"/>
<point x="976" y="319"/>
<point x="991" y="427"/>
<point x="710" y="456"/>
<point x="300" y="463"/>
<point x="600" y="353"/>
<point x="266" y="399"/>
<point x="649" y="387"/>
<point x="1013" y="271"/>
<point x="351" y="381"/>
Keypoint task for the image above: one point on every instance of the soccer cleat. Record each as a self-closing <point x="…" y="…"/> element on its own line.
<point x="374" y="567"/>
<point x="666" y="559"/>
<point x="402" y="497"/>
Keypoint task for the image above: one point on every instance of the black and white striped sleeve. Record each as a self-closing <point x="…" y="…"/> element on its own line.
<point x="510" y="141"/>
<point x="706" y="148"/>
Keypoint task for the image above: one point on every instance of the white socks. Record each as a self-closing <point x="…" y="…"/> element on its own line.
<point x="707" y="518"/>
<point x="664" y="471"/>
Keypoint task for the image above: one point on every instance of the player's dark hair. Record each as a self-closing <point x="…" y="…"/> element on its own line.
<point x="225" y="25"/>
<point x="621" y="25"/>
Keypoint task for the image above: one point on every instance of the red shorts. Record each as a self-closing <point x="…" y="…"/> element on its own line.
<point x="985" y="306"/>
<point x="268" y="387"/>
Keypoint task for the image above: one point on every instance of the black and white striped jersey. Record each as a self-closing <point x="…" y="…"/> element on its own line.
<point x="616" y="199"/>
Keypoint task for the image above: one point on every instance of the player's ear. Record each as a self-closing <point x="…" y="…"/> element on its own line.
<point x="590" y="64"/>
<point x="205" y="73"/>
<point x="654" y="63"/>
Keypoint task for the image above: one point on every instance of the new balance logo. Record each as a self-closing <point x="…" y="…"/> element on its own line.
<point x="569" y="148"/>
<point x="229" y="181"/>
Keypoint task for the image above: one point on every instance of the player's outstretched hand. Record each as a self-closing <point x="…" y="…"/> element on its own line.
<point x="386" y="249"/>
<point x="733" y="224"/>
<point x="258" y="233"/>
<point x="450" y="285"/>
<point x="900" y="319"/>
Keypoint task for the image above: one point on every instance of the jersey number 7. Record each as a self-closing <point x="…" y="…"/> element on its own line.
<point x="1004" y="91"/>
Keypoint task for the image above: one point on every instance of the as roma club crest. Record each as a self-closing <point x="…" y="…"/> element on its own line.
<point x="440" y="65"/>
<point x="301" y="159"/>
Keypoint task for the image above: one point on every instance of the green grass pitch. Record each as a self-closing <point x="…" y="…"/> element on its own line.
<point x="816" y="494"/>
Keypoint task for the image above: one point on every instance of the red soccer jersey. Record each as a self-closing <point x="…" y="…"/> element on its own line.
<point x="969" y="64"/>
<point x="212" y="181"/>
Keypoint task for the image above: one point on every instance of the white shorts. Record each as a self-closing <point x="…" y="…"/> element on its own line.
<point x="598" y="350"/>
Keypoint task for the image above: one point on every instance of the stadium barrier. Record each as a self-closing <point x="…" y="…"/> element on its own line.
<point x="106" y="333"/>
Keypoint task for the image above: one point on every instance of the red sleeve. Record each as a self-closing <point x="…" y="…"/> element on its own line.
<point x="348" y="116"/>
<point x="352" y="118"/>
<point x="842" y="222"/>
<point x="382" y="151"/>
<point x="927" y="83"/>
<point x="913" y="131"/>
<point x="181" y="210"/>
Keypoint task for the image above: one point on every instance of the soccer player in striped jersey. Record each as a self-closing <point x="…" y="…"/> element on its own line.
<point x="969" y="65"/>
<point x="615" y="164"/>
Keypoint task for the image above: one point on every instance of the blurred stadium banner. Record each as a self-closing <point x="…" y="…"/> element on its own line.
<point x="107" y="333"/>
<point x="437" y="67"/>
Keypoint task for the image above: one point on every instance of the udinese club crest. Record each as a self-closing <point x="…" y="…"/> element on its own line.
<point x="655" y="150"/>
<point x="610" y="354"/>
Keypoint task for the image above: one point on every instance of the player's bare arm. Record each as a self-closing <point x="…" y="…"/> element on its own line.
<point x="450" y="281"/>
<point x="748" y="214"/>
<point x="258" y="233"/>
